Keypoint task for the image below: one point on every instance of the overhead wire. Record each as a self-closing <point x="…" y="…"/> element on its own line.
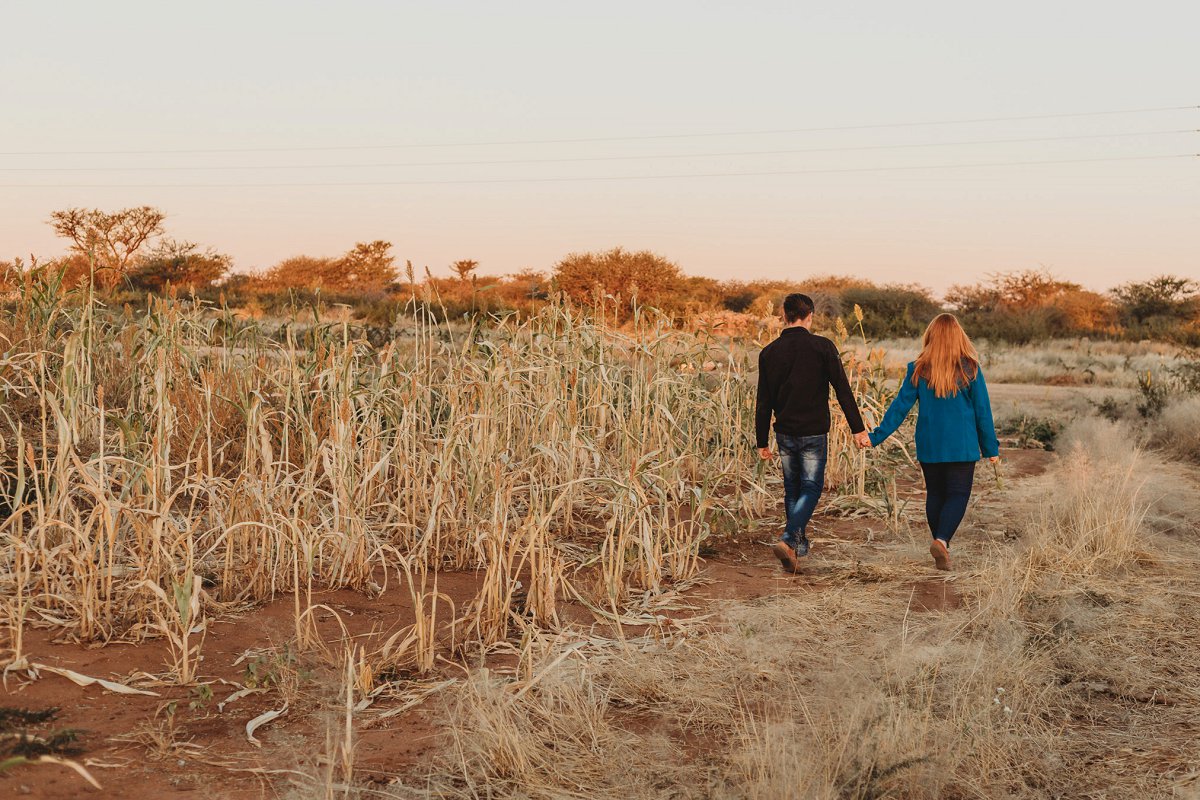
<point x="588" y="179"/>
<point x="593" y="139"/>
<point x="589" y="159"/>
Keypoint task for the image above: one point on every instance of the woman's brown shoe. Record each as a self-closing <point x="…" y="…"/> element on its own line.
<point x="941" y="556"/>
<point x="787" y="557"/>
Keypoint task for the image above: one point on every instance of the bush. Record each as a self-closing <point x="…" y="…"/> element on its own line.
<point x="1019" y="326"/>
<point x="1111" y="409"/>
<point x="1186" y="376"/>
<point x="1029" y="430"/>
<point x="892" y="311"/>
<point x="1152" y="394"/>
<point x="589" y="278"/>
<point x="1177" y="429"/>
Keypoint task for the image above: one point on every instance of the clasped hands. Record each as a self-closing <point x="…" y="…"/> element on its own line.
<point x="861" y="439"/>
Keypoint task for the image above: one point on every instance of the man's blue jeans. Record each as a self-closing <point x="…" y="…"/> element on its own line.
<point x="803" y="459"/>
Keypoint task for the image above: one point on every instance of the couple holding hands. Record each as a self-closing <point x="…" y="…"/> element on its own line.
<point x="954" y="421"/>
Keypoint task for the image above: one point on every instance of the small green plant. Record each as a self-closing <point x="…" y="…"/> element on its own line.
<point x="201" y="694"/>
<point x="269" y="670"/>
<point x="1110" y="408"/>
<point x="1186" y="376"/>
<point x="1152" y="395"/>
<point x="20" y="746"/>
<point x="1031" y="430"/>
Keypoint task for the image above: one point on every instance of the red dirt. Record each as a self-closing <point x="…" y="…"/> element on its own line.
<point x="933" y="594"/>
<point x="118" y="731"/>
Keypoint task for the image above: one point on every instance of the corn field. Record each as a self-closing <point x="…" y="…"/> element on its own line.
<point x="162" y="466"/>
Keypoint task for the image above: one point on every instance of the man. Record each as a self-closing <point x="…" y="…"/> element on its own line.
<point x="794" y="375"/>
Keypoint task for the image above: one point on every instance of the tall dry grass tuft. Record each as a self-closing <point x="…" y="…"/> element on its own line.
<point x="1090" y="520"/>
<point x="1177" y="430"/>
<point x="1101" y="512"/>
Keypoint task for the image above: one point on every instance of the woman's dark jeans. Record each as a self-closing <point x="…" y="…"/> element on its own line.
<point x="803" y="459"/>
<point x="948" y="488"/>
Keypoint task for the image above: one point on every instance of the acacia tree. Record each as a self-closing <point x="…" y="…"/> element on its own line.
<point x="1166" y="307"/>
<point x="367" y="267"/>
<point x="1016" y="291"/>
<point x="588" y="277"/>
<point x="180" y="264"/>
<point x="302" y="272"/>
<point x="113" y="240"/>
<point x="463" y="269"/>
<point x="1164" y="296"/>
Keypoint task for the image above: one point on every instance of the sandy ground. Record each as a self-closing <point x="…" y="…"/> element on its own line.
<point x="1020" y="399"/>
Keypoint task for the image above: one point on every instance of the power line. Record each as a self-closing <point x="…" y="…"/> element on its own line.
<point x="584" y="179"/>
<point x="505" y="143"/>
<point x="583" y="159"/>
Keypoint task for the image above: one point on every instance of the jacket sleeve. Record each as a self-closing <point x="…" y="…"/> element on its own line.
<point x="898" y="411"/>
<point x="989" y="445"/>
<point x="841" y="388"/>
<point x="763" y="409"/>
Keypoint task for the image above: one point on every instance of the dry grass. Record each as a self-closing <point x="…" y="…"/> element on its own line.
<point x="1068" y="673"/>
<point x="164" y="467"/>
<point x="1063" y="362"/>
<point x="1177" y="431"/>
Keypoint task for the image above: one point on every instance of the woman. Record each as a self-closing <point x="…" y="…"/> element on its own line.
<point x="954" y="426"/>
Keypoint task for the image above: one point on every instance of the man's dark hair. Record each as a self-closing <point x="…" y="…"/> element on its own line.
<point x="797" y="306"/>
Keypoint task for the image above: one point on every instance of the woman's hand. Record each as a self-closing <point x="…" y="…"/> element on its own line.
<point x="994" y="459"/>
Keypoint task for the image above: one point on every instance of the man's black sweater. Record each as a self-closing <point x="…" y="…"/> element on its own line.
<point x="794" y="375"/>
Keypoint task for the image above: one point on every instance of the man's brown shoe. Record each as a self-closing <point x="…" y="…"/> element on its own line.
<point x="941" y="556"/>
<point x="786" y="556"/>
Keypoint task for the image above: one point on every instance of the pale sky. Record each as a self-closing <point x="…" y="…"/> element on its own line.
<point x="339" y="78"/>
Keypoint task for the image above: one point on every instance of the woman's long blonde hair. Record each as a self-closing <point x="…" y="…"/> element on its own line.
<point x="948" y="360"/>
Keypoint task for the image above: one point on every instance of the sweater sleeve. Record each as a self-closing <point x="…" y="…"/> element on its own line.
<point x="898" y="411"/>
<point x="763" y="409"/>
<point x="989" y="445"/>
<point x="841" y="388"/>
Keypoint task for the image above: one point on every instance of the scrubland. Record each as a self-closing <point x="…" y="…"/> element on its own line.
<point x="1059" y="362"/>
<point x="566" y="522"/>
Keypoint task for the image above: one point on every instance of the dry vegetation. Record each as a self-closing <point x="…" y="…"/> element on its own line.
<point x="1068" y="672"/>
<point x="1059" y="362"/>
<point x="167" y="468"/>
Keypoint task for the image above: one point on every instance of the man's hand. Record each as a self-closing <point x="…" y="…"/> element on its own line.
<point x="862" y="440"/>
<point x="994" y="459"/>
<point x="765" y="453"/>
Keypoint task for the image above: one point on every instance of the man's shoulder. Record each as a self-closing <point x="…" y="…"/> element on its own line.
<point x="771" y="346"/>
<point x="822" y="342"/>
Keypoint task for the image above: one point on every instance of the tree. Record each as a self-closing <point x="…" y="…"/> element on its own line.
<point x="1024" y="289"/>
<point x="302" y="272"/>
<point x="1087" y="313"/>
<point x="367" y="267"/>
<point x="463" y="269"/>
<point x="113" y="240"/>
<point x="1020" y="306"/>
<point x="1163" y="296"/>
<point x="180" y="264"/>
<point x="895" y="310"/>
<point x="589" y="277"/>
<point x="1166" y="308"/>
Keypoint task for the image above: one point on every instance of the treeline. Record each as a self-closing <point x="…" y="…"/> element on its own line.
<point x="127" y="254"/>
